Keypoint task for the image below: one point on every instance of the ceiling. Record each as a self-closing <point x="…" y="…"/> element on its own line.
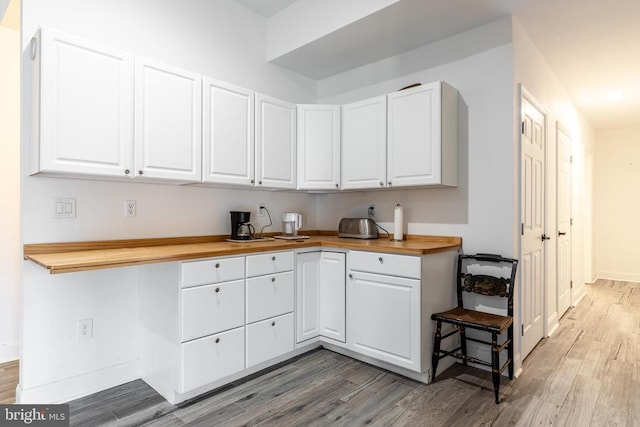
<point x="591" y="45"/>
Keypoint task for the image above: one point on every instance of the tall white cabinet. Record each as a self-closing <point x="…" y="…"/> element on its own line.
<point x="318" y="147"/>
<point x="83" y="107"/>
<point x="228" y="134"/>
<point x="275" y="143"/>
<point x="364" y="144"/>
<point x="168" y="130"/>
<point x="422" y="136"/>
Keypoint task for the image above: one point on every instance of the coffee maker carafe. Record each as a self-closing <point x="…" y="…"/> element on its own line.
<point x="241" y="229"/>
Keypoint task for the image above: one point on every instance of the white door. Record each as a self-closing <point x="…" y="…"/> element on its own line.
<point x="275" y="143"/>
<point x="168" y="118"/>
<point x="307" y="299"/>
<point x="413" y="136"/>
<point x="86" y="114"/>
<point x="228" y="134"/>
<point x="364" y="144"/>
<point x="318" y="147"/>
<point x="532" y="228"/>
<point x="563" y="206"/>
<point x="384" y="318"/>
<point x="331" y="295"/>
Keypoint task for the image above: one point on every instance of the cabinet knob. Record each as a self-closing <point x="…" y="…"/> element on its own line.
<point x="253" y="181"/>
<point x="217" y="340"/>
<point x="217" y="265"/>
<point x="273" y="279"/>
<point x="389" y="183"/>
<point x="381" y="184"/>
<point x="127" y="171"/>
<point x="217" y="290"/>
<point x="350" y="276"/>
<point x="259" y="182"/>
<point x="273" y="323"/>
<point x="337" y="186"/>
<point x="140" y="172"/>
<point x="381" y="260"/>
<point x="273" y="258"/>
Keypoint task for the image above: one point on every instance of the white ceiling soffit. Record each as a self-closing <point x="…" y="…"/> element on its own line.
<point x="395" y="29"/>
<point x="266" y="8"/>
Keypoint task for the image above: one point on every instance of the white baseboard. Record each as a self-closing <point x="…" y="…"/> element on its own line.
<point x="623" y="277"/>
<point x="9" y="352"/>
<point x="552" y="324"/>
<point x="578" y="294"/>
<point x="81" y="385"/>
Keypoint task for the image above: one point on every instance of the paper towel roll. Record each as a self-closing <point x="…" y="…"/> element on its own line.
<point x="398" y="221"/>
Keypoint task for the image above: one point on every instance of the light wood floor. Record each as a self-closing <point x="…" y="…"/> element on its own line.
<point x="587" y="373"/>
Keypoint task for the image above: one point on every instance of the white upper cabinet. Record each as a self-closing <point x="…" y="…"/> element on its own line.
<point x="228" y="134"/>
<point x="422" y="136"/>
<point x="168" y="122"/>
<point x="364" y="144"/>
<point x="318" y="147"/>
<point x="84" y="92"/>
<point x="275" y="143"/>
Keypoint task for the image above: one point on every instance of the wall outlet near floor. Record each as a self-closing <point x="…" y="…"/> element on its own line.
<point x="260" y="209"/>
<point x="63" y="207"/>
<point x="130" y="209"/>
<point x="85" y="328"/>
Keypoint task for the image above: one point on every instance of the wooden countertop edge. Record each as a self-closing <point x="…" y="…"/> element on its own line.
<point x="84" y="256"/>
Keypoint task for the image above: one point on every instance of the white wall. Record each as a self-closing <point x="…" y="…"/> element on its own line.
<point x="538" y="79"/>
<point x="616" y="204"/>
<point x="220" y="39"/>
<point x="10" y="177"/>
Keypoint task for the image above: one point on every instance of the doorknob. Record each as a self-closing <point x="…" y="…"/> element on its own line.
<point x="544" y="237"/>
<point x="560" y="233"/>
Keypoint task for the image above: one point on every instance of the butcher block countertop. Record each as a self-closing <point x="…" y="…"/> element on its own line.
<point x="82" y="256"/>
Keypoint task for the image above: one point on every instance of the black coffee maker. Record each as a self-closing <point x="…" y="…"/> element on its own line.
<point x="241" y="229"/>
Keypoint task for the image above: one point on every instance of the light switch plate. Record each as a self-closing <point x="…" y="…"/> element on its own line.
<point x="63" y="207"/>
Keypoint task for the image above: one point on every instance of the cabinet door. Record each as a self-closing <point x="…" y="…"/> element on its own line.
<point x="168" y="131"/>
<point x="413" y="141"/>
<point x="318" y="147"/>
<point x="384" y="318"/>
<point x="86" y="107"/>
<point x="228" y="134"/>
<point x="275" y="143"/>
<point x="364" y="144"/>
<point x="307" y="298"/>
<point x="331" y="295"/>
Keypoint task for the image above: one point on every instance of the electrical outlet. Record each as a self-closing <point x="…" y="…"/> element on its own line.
<point x="85" y="328"/>
<point x="260" y="207"/>
<point x="130" y="209"/>
<point x="372" y="211"/>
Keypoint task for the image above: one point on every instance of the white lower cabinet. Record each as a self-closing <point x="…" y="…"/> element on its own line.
<point x="211" y="358"/>
<point x="269" y="338"/>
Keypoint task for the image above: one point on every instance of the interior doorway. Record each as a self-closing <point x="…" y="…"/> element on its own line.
<point x="563" y="215"/>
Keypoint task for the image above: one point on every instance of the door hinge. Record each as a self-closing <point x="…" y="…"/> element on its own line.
<point x="571" y="221"/>
<point x="571" y="284"/>
<point x="522" y="228"/>
<point x="522" y="330"/>
<point x="570" y="159"/>
<point x="523" y="127"/>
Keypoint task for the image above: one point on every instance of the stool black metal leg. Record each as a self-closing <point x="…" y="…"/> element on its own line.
<point x="463" y="344"/>
<point x="495" y="366"/>
<point x="436" y="350"/>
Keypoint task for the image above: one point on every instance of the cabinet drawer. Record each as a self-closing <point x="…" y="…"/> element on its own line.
<point x="212" y="271"/>
<point x="274" y="262"/>
<point x="382" y="263"/>
<point x="211" y="358"/>
<point x="269" y="296"/>
<point x="269" y="338"/>
<point x="212" y="308"/>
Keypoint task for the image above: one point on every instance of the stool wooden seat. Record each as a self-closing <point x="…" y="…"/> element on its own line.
<point x="468" y="280"/>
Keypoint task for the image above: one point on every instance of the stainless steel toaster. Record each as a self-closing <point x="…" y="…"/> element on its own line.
<point x="358" y="228"/>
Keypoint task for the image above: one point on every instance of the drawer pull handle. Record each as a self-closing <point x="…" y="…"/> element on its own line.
<point x="273" y="258"/>
<point x="273" y="323"/>
<point x="350" y="276"/>
<point x="217" y="340"/>
<point x="381" y="260"/>
<point x="217" y="290"/>
<point x="217" y="265"/>
<point x="273" y="279"/>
